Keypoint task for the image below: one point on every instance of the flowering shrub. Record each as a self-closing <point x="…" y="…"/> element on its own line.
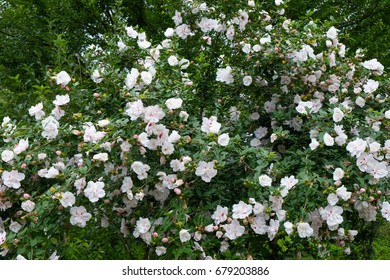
<point x="243" y="134"/>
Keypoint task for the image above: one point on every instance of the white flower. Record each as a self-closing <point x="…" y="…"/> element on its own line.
<point x="146" y="77"/>
<point x="225" y="75"/>
<point x="338" y="174"/>
<point x="101" y="157"/>
<point x="374" y="65"/>
<point x="52" y="173"/>
<point x="303" y="105"/>
<point x="288" y="182"/>
<point x="184" y="235"/>
<point x="246" y="49"/>
<point x="343" y="193"/>
<point x="328" y="140"/>
<point x="7" y="155"/>
<point x="103" y="123"/>
<point x="314" y="144"/>
<point x="356" y="147"/>
<point x="94" y="191"/>
<point x="332" y="199"/>
<point x="131" y="78"/>
<point x="259" y="225"/>
<point x="184" y="115"/>
<point x="63" y="78"/>
<point x="61" y="100"/>
<point x="244" y="19"/>
<point x="14" y="227"/>
<point x="332" y="33"/>
<point x="174" y="103"/>
<point x="143" y="225"/>
<point x="230" y="33"/>
<point x="67" y="199"/>
<point x="370" y="86"/>
<point x="360" y="101"/>
<point x="207" y="24"/>
<point x="265" y="40"/>
<point x="183" y="31"/>
<point x="304" y="230"/>
<point x="36" y="111"/>
<point x="338" y="115"/>
<point x="160" y="250"/>
<point x="288" y="227"/>
<point x="385" y="211"/>
<point x="177" y="165"/>
<point x="131" y="32"/>
<point x="206" y="170"/>
<point x="210" y="125"/>
<point x="140" y="169"/>
<point x="251" y="3"/>
<point x="28" y="206"/>
<point x="21" y="146"/>
<point x="169" y="32"/>
<point x="153" y="114"/>
<point x="273" y="228"/>
<point x="241" y="210"/>
<point x="167" y="148"/>
<point x="234" y="230"/>
<point x="223" y="139"/>
<point x="12" y="178"/>
<point x="96" y="77"/>
<point x="220" y="215"/>
<point x="91" y="135"/>
<point x="50" y="126"/>
<point x="332" y="215"/>
<point x="135" y="109"/>
<point x="3" y="237"/>
<point x="173" y="61"/>
<point x="142" y="42"/>
<point x="278" y="2"/>
<point x="247" y="80"/>
<point x="80" y="216"/>
<point x="265" y="181"/>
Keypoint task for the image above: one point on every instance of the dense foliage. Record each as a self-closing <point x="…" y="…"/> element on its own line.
<point x="240" y="134"/>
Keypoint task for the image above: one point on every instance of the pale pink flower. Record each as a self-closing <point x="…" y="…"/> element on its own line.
<point x="304" y="230"/>
<point x="7" y="155"/>
<point x="94" y="191"/>
<point x="36" y="111"/>
<point x="210" y="125"/>
<point x="265" y="181"/>
<point x="80" y="216"/>
<point x="28" y="206"/>
<point x="223" y="139"/>
<point x="67" y="199"/>
<point x="131" y="78"/>
<point x="63" y="78"/>
<point x="174" y="103"/>
<point x="135" y="109"/>
<point x="61" y="100"/>
<point x="12" y="178"/>
<point x="184" y="235"/>
<point x="220" y="215"/>
<point x="338" y="174"/>
<point x="241" y="210"/>
<point x="233" y="230"/>
<point x="206" y="171"/>
<point x="225" y="75"/>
